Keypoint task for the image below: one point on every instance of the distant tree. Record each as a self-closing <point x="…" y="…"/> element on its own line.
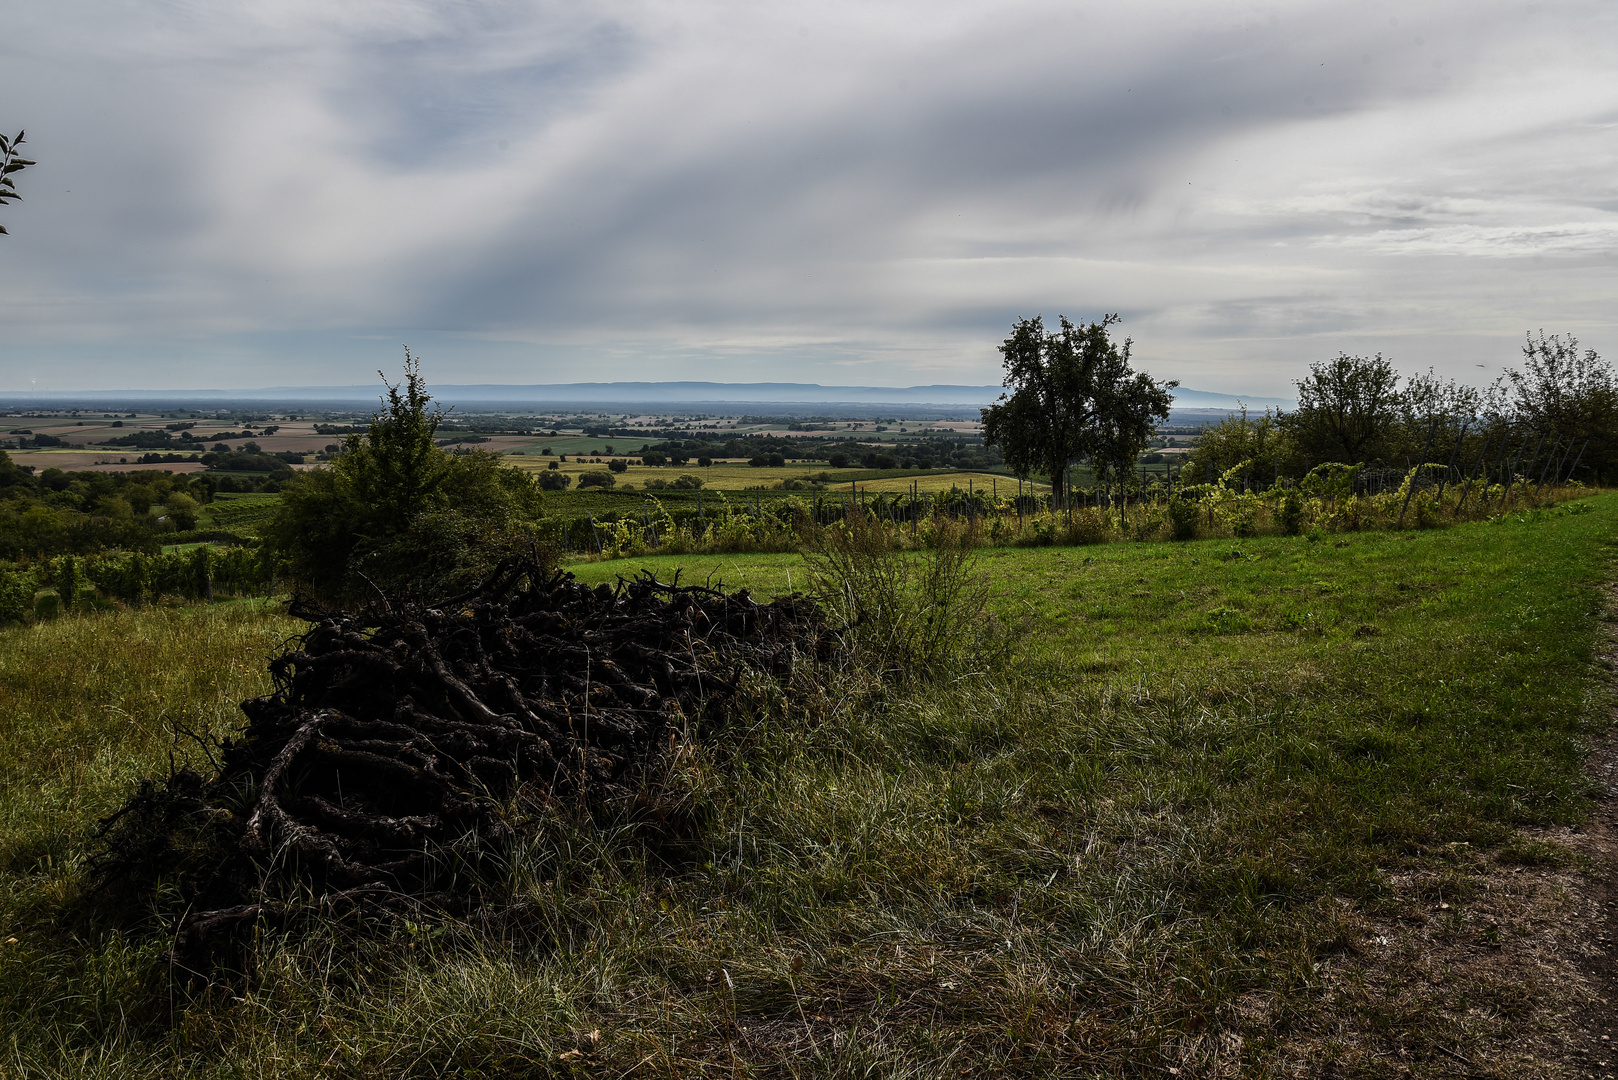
<point x="552" y="480"/>
<point x="1568" y="394"/>
<point x="1348" y="408"/>
<point x="597" y="479"/>
<point x="10" y="162"/>
<point x="182" y="509"/>
<point x="1072" y="396"/>
<point x="1238" y="438"/>
<point x="618" y="465"/>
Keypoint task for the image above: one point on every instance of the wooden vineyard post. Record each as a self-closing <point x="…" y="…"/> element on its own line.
<point x="1505" y="445"/>
<point x="1416" y="475"/>
<point x="1555" y="442"/>
<point x="1569" y="477"/>
<point x="1451" y="464"/>
<point x="1526" y="468"/>
<point x="1473" y="475"/>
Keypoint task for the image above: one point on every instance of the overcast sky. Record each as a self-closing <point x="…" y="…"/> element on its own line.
<point x="282" y="192"/>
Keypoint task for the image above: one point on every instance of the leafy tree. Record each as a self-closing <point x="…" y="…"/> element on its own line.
<point x="1238" y="438"/>
<point x="553" y="480"/>
<point x="597" y="479"/>
<point x="10" y="162"/>
<point x="1569" y="393"/>
<point x="182" y="510"/>
<point x="395" y="467"/>
<point x="1347" y="409"/>
<point x="395" y="511"/>
<point x="1072" y="396"/>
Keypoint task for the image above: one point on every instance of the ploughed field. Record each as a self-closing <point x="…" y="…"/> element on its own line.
<point x="1275" y="805"/>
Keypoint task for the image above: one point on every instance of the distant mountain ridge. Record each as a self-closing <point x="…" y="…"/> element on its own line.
<point x="631" y="393"/>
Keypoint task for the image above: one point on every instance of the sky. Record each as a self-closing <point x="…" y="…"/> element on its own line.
<point x="285" y="192"/>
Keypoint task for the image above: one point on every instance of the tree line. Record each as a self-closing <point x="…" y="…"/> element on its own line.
<point x="1072" y="398"/>
<point x="1560" y="405"/>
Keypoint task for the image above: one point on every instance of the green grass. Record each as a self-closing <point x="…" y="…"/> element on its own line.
<point x="1135" y="842"/>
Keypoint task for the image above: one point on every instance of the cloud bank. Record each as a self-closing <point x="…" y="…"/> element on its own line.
<point x="282" y="192"/>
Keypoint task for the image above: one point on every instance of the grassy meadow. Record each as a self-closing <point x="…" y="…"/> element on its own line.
<point x="1158" y="828"/>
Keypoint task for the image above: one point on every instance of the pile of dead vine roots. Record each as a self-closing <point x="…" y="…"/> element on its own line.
<point x="403" y="745"/>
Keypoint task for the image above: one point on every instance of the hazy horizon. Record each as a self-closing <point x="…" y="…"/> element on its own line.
<point x="284" y="192"/>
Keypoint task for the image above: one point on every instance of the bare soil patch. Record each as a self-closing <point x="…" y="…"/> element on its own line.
<point x="1499" y="965"/>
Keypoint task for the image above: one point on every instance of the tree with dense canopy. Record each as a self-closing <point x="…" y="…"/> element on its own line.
<point x="1072" y="396"/>
<point x="1571" y="394"/>
<point x="1347" y="409"/>
<point x="396" y="511"/>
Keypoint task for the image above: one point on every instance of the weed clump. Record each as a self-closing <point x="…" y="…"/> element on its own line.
<point x="907" y="614"/>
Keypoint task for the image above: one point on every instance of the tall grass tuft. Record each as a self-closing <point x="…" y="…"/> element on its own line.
<point x="909" y="613"/>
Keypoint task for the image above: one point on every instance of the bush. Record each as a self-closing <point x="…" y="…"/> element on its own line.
<point x="1290" y="515"/>
<point x="687" y="482"/>
<point x="339" y="529"/>
<point x="182" y="511"/>
<point x="17" y="588"/>
<point x="654" y="458"/>
<point x="553" y="480"/>
<point x="618" y="465"/>
<point x="598" y="479"/>
<point x="907" y="614"/>
<point x="1184" y="515"/>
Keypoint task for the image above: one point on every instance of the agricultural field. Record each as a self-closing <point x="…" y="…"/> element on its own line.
<point x="731" y="476"/>
<point x="1272" y="806"/>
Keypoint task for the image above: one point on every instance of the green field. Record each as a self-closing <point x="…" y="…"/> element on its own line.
<point x="1219" y="808"/>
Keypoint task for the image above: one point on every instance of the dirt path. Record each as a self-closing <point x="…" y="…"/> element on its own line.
<point x="1501" y="964"/>
<point x="1592" y="1034"/>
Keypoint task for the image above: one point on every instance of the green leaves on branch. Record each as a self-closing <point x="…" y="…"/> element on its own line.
<point x="10" y="162"/>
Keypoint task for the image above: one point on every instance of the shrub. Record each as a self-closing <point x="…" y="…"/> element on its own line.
<point x="687" y="482"/>
<point x="17" y="588"/>
<point x="907" y="613"/>
<point x="182" y="510"/>
<point x="550" y="480"/>
<point x="1183" y="517"/>
<point x="618" y="465"/>
<point x="1290" y="514"/>
<point x="597" y="479"/>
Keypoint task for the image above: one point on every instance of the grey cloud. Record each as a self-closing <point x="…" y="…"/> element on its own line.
<point x="671" y="190"/>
